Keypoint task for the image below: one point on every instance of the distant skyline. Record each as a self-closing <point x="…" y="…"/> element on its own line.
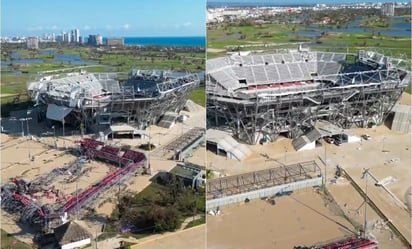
<point x="297" y="2"/>
<point x="108" y="18"/>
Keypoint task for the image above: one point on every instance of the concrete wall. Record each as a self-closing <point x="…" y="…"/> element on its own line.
<point x="77" y="244"/>
<point x="211" y="204"/>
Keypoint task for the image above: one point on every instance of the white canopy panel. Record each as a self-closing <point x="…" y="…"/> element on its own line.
<point x="56" y="112"/>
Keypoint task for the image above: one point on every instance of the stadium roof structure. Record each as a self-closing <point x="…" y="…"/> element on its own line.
<point x="260" y="96"/>
<point x="97" y="100"/>
<point x="236" y="72"/>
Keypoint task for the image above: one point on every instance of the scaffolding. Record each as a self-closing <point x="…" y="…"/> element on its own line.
<point x="261" y="96"/>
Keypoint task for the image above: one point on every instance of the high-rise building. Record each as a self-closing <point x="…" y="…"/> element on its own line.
<point x="76" y="36"/>
<point x="388" y="9"/>
<point x="91" y="40"/>
<point x="99" y="40"/>
<point x="59" y="38"/>
<point x="32" y="43"/>
<point x="95" y="40"/>
<point x="66" y="37"/>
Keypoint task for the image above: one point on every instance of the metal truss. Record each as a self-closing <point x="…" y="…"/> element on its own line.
<point x="16" y="197"/>
<point x="230" y="185"/>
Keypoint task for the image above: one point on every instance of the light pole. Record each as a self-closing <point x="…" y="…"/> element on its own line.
<point x="54" y="132"/>
<point x="383" y="144"/>
<point x="22" y="132"/>
<point x="64" y="142"/>
<point x="27" y="124"/>
<point x="28" y="135"/>
<point x="325" y="168"/>
<point x="54" y="137"/>
<point x="22" y="128"/>
<point x="63" y="126"/>
<point x="148" y="147"/>
<point x="365" y="176"/>
<point x="77" y="201"/>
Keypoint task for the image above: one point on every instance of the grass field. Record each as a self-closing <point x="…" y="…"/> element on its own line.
<point x="12" y="84"/>
<point x="274" y="36"/>
<point x="409" y="89"/>
<point x="151" y="61"/>
<point x="196" y="223"/>
<point x="199" y="96"/>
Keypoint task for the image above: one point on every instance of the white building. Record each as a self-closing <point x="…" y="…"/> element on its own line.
<point x="99" y="40"/>
<point x="32" y="43"/>
<point x="388" y="9"/>
<point x="76" y="36"/>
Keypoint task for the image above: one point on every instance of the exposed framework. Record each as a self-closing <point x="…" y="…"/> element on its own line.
<point x="348" y="243"/>
<point x="230" y="185"/>
<point x="263" y="95"/>
<point x="98" y="100"/>
<point x="174" y="149"/>
<point x="17" y="198"/>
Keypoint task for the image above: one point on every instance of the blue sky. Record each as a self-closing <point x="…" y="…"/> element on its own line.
<point x="109" y="18"/>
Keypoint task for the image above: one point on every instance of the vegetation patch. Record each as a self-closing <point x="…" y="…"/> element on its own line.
<point x="196" y="222"/>
<point x="160" y="207"/>
<point x="147" y="146"/>
<point x="9" y="241"/>
<point x="199" y="96"/>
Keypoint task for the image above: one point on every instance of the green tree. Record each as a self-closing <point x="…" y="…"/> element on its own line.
<point x="165" y="219"/>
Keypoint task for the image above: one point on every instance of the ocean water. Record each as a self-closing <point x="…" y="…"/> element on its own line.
<point x="268" y="3"/>
<point x="193" y="41"/>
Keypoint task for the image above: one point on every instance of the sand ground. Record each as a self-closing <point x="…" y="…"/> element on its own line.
<point x="299" y="219"/>
<point x="373" y="154"/>
<point x="191" y="238"/>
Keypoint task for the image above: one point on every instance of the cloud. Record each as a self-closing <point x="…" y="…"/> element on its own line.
<point x="184" y="25"/>
<point x="126" y="26"/>
<point x="37" y="28"/>
<point x="109" y="27"/>
<point x="86" y="27"/>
